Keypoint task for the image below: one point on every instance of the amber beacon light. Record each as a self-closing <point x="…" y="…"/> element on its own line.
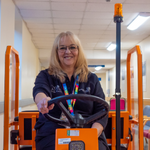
<point x="118" y="10"/>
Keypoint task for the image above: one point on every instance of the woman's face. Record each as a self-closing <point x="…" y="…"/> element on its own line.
<point x="67" y="52"/>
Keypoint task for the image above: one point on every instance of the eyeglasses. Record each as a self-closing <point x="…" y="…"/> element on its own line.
<point x="72" y="48"/>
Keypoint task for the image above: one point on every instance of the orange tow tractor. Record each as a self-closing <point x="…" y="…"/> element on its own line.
<point x="75" y="137"/>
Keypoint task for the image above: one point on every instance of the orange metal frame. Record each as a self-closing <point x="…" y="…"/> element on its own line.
<point x="7" y="124"/>
<point x="140" y="91"/>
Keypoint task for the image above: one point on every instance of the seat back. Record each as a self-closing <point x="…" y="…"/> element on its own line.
<point x="113" y="104"/>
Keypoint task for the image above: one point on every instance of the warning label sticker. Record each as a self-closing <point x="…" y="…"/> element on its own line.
<point x="72" y="132"/>
<point x="64" y="141"/>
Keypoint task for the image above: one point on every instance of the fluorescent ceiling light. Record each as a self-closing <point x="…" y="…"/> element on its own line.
<point x="98" y="67"/>
<point x="138" y="21"/>
<point x="111" y="47"/>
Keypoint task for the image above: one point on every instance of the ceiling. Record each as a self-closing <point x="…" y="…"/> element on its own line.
<point x="91" y="20"/>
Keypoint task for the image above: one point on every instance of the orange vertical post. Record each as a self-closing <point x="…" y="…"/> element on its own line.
<point x="10" y="50"/>
<point x="113" y="146"/>
<point x="140" y="91"/>
<point x="33" y="132"/>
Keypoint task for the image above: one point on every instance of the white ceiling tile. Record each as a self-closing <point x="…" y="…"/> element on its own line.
<point x="108" y="38"/>
<point x="66" y="27"/>
<point x="109" y="35"/>
<point x="128" y="17"/>
<point x="130" y="37"/>
<point x="87" y="47"/>
<point x="71" y="1"/>
<point x="49" y="40"/>
<point x="40" y="25"/>
<point x="67" y="21"/>
<point x="90" y="35"/>
<point x="89" y="44"/>
<point x="68" y="6"/>
<point x="38" y="20"/>
<point x="33" y="5"/>
<point x="42" y="39"/>
<point x="91" y="20"/>
<point x="35" y="13"/>
<point x="88" y="53"/>
<point x="98" y="15"/>
<point x="123" y="32"/>
<point x="102" y="1"/>
<point x="43" y="44"/>
<point x="103" y="7"/>
<point x="96" y="21"/>
<point x="137" y="1"/>
<point x="33" y="0"/>
<point x="112" y="26"/>
<point x="101" y="44"/>
<point x="73" y="30"/>
<point x="44" y="47"/>
<point x="88" y="32"/>
<point x="93" y="27"/>
<point x="109" y="31"/>
<point x="47" y="35"/>
<point x="88" y="39"/>
<point x="136" y="7"/>
<point x="128" y="45"/>
<point x="67" y="14"/>
<point x="32" y="30"/>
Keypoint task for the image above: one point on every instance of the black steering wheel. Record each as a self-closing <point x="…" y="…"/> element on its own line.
<point x="77" y="121"/>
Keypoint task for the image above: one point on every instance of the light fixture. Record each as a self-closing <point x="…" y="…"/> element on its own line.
<point x="138" y="21"/>
<point x="98" y="67"/>
<point x="111" y="47"/>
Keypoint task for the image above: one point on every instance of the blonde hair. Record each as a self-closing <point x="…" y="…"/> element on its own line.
<point x="81" y="66"/>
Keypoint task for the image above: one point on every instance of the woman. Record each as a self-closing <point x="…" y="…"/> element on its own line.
<point x="67" y="65"/>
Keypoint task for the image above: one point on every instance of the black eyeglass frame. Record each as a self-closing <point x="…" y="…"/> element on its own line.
<point x="63" y="50"/>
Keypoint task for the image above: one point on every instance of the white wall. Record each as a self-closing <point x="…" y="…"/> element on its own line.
<point x="112" y="81"/>
<point x="145" y="48"/>
<point x="103" y="81"/>
<point x="123" y="80"/>
<point x="18" y="42"/>
<point x="30" y="63"/>
<point x="6" y="37"/>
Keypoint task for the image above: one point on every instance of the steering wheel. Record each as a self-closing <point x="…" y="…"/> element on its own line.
<point x="77" y="121"/>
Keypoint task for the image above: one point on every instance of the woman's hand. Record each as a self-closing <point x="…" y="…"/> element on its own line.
<point x="99" y="128"/>
<point x="42" y="103"/>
